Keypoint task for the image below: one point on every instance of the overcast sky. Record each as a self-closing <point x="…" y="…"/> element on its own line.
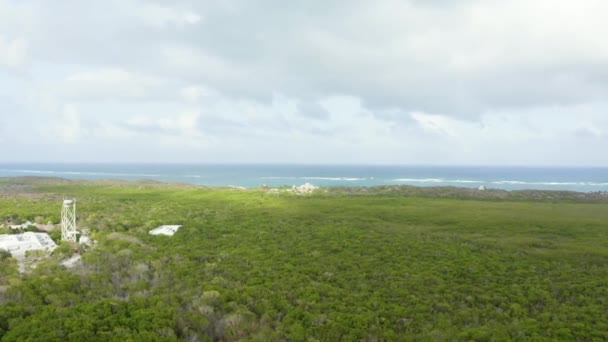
<point x="505" y="82"/>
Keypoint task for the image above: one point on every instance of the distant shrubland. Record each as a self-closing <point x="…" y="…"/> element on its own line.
<point x="342" y="264"/>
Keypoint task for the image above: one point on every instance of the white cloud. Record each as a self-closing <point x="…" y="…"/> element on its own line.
<point x="185" y="123"/>
<point x="67" y="125"/>
<point x="13" y="52"/>
<point x="162" y="16"/>
<point x="109" y="83"/>
<point x="184" y="126"/>
<point x="476" y="81"/>
<point x="437" y="124"/>
<point x="114" y="132"/>
<point x="191" y="62"/>
<point x="196" y="93"/>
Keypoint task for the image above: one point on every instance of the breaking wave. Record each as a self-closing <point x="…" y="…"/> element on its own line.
<point x="84" y="173"/>
<point x="436" y="180"/>
<point x="549" y="183"/>
<point x="348" y="179"/>
<point x="192" y="176"/>
<point x="501" y="182"/>
<point x="252" y="176"/>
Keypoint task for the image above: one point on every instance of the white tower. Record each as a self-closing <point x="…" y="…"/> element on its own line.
<point x="68" y="220"/>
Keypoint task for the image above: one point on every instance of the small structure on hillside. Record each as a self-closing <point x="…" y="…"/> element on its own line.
<point x="84" y="237"/>
<point x="21" y="226"/>
<point x="39" y="226"/>
<point x="481" y="188"/>
<point x="305" y="188"/>
<point x="68" y="220"/>
<point x="18" y="244"/>
<point x="168" y="230"/>
<point x="85" y="240"/>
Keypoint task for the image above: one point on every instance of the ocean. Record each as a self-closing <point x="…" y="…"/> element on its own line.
<point x="508" y="178"/>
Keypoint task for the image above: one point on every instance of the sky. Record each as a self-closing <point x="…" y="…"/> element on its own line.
<point x="435" y="82"/>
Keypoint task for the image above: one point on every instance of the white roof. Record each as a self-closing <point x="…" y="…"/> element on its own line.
<point x="21" y="226"/>
<point x="168" y="230"/>
<point x="18" y="244"/>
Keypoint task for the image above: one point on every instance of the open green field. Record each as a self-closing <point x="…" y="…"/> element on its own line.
<point x="332" y="266"/>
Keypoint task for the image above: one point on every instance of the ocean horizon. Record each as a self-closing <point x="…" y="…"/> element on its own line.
<point x="583" y="179"/>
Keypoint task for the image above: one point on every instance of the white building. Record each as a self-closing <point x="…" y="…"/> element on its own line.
<point x="168" y="230"/>
<point x="21" y="226"/>
<point x="305" y="188"/>
<point x="18" y="244"/>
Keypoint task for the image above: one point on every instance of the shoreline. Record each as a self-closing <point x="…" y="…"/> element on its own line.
<point x="22" y="184"/>
<point x="579" y="179"/>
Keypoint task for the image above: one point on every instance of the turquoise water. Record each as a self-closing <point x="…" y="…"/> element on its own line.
<point x="509" y="178"/>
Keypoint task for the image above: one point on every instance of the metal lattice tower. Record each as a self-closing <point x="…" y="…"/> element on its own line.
<point x="68" y="220"/>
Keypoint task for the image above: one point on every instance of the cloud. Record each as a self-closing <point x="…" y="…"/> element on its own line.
<point x="161" y="16"/>
<point x="313" y="110"/>
<point x="67" y="125"/>
<point x="182" y="129"/>
<point x="113" y="83"/>
<point x="196" y="93"/>
<point x="13" y="52"/>
<point x="473" y="55"/>
<point x="436" y="124"/>
<point x="183" y="124"/>
<point x="401" y="81"/>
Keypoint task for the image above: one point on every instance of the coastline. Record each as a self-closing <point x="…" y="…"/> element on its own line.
<point x="16" y="185"/>
<point x="581" y="179"/>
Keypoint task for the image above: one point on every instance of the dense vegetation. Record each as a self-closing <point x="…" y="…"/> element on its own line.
<point x="332" y="266"/>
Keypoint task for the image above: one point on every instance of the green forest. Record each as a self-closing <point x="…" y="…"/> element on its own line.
<point x="341" y="264"/>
